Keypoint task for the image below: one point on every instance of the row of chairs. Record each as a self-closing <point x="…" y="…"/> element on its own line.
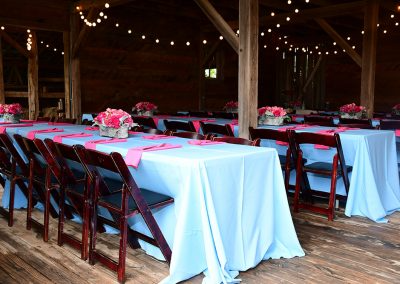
<point x="56" y="119"/>
<point x="75" y="178"/>
<point x="385" y="124"/>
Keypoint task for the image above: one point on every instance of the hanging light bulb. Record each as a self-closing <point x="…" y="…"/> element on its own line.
<point x="157" y="40"/>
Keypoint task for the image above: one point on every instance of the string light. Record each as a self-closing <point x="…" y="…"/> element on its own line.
<point x="204" y="42"/>
<point x="187" y="43"/>
<point x="272" y="14"/>
<point x="107" y="5"/>
<point x="157" y="40"/>
<point x="2" y="28"/>
<point x="143" y="37"/>
<point x="296" y="11"/>
<point x="221" y="37"/>
<point x="172" y="43"/>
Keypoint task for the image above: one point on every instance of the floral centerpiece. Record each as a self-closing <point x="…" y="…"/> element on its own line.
<point x="352" y="111"/>
<point x="114" y="123"/>
<point x="231" y="106"/>
<point x="272" y="115"/>
<point x="11" y="112"/>
<point x="144" y="108"/>
<point x="396" y="109"/>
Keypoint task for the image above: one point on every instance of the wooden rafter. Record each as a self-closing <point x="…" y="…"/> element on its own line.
<point x="83" y="32"/>
<point x="220" y="24"/>
<point x="14" y="43"/>
<point x="32" y="24"/>
<point x="339" y="40"/>
<point x="310" y="78"/>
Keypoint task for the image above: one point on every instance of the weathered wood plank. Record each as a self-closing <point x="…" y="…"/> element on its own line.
<point x="33" y="79"/>
<point x="67" y="74"/>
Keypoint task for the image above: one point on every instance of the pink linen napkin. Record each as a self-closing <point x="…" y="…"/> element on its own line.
<point x="282" y="143"/>
<point x="59" y="138"/>
<point x="6" y="122"/>
<point x="233" y="123"/>
<point x="397" y="132"/>
<point x="92" y="144"/>
<point x="4" y="127"/>
<point x="134" y="155"/>
<point x="134" y="132"/>
<point x="157" y="137"/>
<point x="196" y="123"/>
<point x="204" y="142"/>
<point x="321" y="147"/>
<point x="92" y="128"/>
<point x="31" y="134"/>
<point x="329" y="132"/>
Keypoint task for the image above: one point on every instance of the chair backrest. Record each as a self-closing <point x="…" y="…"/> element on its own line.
<point x="216" y="129"/>
<point x="189" y="135"/>
<point x="200" y="113"/>
<point x="223" y="114"/>
<point x="272" y="134"/>
<point x="43" y="118"/>
<point x="146" y="122"/>
<point x="30" y="150"/>
<point x="386" y="124"/>
<point x="67" y="120"/>
<point x="298" y="138"/>
<point x="356" y="125"/>
<point x="319" y="120"/>
<point x="9" y="145"/>
<point x="237" y="140"/>
<point x="175" y="125"/>
<point x="355" y="121"/>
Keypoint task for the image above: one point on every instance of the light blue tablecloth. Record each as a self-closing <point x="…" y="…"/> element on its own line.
<point x="374" y="181"/>
<point x="230" y="210"/>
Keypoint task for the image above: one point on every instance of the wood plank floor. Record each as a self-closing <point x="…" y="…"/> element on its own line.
<point x="348" y="250"/>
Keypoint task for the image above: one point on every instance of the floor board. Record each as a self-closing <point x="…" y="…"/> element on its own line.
<point x="348" y="250"/>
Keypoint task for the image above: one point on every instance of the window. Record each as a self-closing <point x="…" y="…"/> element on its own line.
<point x="210" y="73"/>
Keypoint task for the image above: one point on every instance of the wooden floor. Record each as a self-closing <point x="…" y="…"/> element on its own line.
<point x="348" y="250"/>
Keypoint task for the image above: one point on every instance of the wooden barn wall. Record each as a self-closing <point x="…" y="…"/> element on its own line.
<point x="120" y="69"/>
<point x="343" y="77"/>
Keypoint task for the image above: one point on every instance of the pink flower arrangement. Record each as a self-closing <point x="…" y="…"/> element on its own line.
<point x="352" y="109"/>
<point x="144" y="106"/>
<point x="273" y="111"/>
<point x="14" y="109"/>
<point x="231" y="105"/>
<point x="114" y="118"/>
<point x="396" y="109"/>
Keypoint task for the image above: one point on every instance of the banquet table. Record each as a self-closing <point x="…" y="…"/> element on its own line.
<point x="374" y="180"/>
<point x="230" y="208"/>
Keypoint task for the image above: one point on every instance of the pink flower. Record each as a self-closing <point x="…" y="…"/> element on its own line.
<point x="10" y="109"/>
<point x="231" y="105"/>
<point x="396" y="107"/>
<point x="114" y="118"/>
<point x="271" y="111"/>
<point x="144" y="106"/>
<point x="351" y="108"/>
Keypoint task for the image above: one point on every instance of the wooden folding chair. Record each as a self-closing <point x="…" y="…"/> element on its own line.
<point x="146" y="122"/>
<point x="42" y="182"/>
<point x="189" y="135"/>
<point x="237" y="140"/>
<point x="286" y="160"/>
<point x="336" y="168"/>
<point x="319" y="120"/>
<point x="387" y="124"/>
<point x="175" y="125"/>
<point x="355" y="121"/>
<point x="216" y="129"/>
<point x="128" y="201"/>
<point x="74" y="186"/>
<point x="14" y="168"/>
<point x="66" y="120"/>
<point x="356" y="125"/>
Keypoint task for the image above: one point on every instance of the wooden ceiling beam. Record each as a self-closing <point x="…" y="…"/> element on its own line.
<point x="339" y="40"/>
<point x="14" y="44"/>
<point x="83" y="32"/>
<point x="24" y="23"/>
<point x="220" y="24"/>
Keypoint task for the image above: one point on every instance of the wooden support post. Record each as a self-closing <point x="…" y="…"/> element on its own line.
<point x="340" y="41"/>
<point x="33" y="79"/>
<point x="312" y="74"/>
<point x="369" y="56"/>
<point x="67" y="73"/>
<point x="76" y="111"/>
<point x="248" y="66"/>
<point x="2" y="94"/>
<point x="220" y="24"/>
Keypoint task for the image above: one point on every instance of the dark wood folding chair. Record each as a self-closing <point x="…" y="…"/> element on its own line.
<point x="226" y="115"/>
<point x="319" y="120"/>
<point x="286" y="161"/>
<point x="122" y="204"/>
<point x="237" y="140"/>
<point x="356" y="125"/>
<point x="66" y="120"/>
<point x="355" y="121"/>
<point x="43" y="118"/>
<point x="14" y="168"/>
<point x="149" y="130"/>
<point x="175" y="125"/>
<point x="216" y="129"/>
<point x="387" y="124"/>
<point x="189" y="135"/>
<point x="200" y="114"/>
<point x="42" y="182"/>
<point x="146" y="122"/>
<point x="74" y="187"/>
<point x="336" y="168"/>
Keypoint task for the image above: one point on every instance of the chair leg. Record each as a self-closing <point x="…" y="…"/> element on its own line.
<point x="85" y="230"/>
<point x="29" y="209"/>
<point x="93" y="235"/>
<point x="61" y="217"/>
<point x="122" y="249"/>
<point x="46" y="217"/>
<point x="11" y="203"/>
<point x="332" y="194"/>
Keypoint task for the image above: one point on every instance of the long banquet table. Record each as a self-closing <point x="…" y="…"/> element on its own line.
<point x="230" y="210"/>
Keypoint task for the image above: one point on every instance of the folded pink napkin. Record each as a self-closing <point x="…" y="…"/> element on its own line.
<point x="92" y="144"/>
<point x="297" y="127"/>
<point x="4" y="127"/>
<point x="134" y="132"/>
<point x="134" y="155"/>
<point x="6" y="122"/>
<point x="59" y="123"/>
<point x="282" y="143"/>
<point x="321" y="147"/>
<point x="204" y="142"/>
<point x="31" y="134"/>
<point x="234" y="122"/>
<point x="397" y="132"/>
<point x="59" y="138"/>
<point x="157" y="137"/>
<point x="92" y="128"/>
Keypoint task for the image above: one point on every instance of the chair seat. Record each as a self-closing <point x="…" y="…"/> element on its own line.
<point x="323" y="168"/>
<point x="151" y="198"/>
<point x="282" y="160"/>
